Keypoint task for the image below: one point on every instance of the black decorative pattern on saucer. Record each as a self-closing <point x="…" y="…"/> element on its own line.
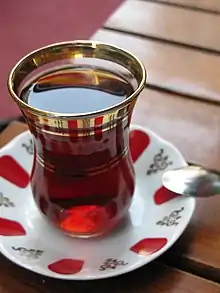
<point x="5" y="201"/>
<point x="160" y="163"/>
<point x="172" y="219"/>
<point x="29" y="253"/>
<point x="111" y="263"/>
<point x="29" y="147"/>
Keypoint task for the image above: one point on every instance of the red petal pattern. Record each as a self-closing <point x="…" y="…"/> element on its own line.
<point x="148" y="245"/>
<point x="138" y="141"/>
<point x="11" y="228"/>
<point x="163" y="195"/>
<point x="67" y="266"/>
<point x="11" y="171"/>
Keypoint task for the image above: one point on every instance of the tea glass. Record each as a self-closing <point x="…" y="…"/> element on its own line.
<point x="82" y="177"/>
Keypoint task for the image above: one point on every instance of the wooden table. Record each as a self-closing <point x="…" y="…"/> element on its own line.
<point x="179" y="42"/>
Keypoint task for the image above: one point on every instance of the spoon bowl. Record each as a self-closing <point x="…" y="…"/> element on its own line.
<point x="193" y="181"/>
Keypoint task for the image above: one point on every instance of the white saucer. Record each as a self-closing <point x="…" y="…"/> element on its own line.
<point x="156" y="218"/>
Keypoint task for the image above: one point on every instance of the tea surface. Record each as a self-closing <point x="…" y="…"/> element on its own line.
<point x="77" y="90"/>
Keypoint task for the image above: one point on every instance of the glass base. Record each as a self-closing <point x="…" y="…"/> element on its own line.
<point x="111" y="227"/>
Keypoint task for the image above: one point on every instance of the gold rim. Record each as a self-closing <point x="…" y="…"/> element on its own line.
<point x="47" y="54"/>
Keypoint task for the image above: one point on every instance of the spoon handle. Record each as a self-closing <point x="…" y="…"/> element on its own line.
<point x="214" y="189"/>
<point x="217" y="172"/>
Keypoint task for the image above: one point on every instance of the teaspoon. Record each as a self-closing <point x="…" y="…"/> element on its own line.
<point x="192" y="181"/>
